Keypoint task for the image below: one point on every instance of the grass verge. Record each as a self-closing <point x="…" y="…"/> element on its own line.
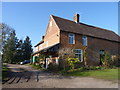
<point x="107" y="74"/>
<point x="38" y="67"/>
<point x="4" y="72"/>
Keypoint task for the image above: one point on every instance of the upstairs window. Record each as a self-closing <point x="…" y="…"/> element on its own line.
<point x="84" y="40"/>
<point x="78" y="54"/>
<point x="71" y="38"/>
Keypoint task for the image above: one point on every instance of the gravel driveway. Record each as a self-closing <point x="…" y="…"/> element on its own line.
<point x="23" y="76"/>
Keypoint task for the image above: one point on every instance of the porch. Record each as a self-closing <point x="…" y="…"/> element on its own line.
<point x="49" y="54"/>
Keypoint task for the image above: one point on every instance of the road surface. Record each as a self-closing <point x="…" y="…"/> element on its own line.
<point x="23" y="76"/>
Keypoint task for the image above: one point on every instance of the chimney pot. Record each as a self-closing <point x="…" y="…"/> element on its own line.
<point x="76" y="18"/>
<point x="42" y="37"/>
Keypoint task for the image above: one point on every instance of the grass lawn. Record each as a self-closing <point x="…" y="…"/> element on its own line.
<point x="35" y="66"/>
<point x="4" y="71"/>
<point x="108" y="74"/>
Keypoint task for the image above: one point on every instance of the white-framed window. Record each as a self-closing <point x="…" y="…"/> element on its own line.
<point x="71" y="38"/>
<point x="47" y="44"/>
<point x="84" y="40"/>
<point x="78" y="54"/>
<point x="102" y="52"/>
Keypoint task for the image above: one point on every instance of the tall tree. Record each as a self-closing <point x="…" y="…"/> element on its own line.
<point x="27" y="48"/>
<point x="5" y="32"/>
<point x="19" y="51"/>
<point x="10" y="48"/>
<point x="13" y="50"/>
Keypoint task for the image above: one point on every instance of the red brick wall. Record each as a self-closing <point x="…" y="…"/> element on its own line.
<point x="64" y="41"/>
<point x="51" y="36"/>
<point x="94" y="45"/>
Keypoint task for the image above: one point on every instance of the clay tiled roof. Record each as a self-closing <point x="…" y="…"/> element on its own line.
<point x="80" y="28"/>
<point x="47" y="48"/>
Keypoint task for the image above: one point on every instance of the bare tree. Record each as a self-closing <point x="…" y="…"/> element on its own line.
<point x="64" y="53"/>
<point x="5" y="32"/>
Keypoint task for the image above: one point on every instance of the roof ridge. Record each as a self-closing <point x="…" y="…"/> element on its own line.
<point x="96" y="27"/>
<point x="61" y="23"/>
<point x="64" y="18"/>
<point x="84" y="24"/>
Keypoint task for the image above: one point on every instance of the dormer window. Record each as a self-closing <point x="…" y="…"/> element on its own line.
<point x="71" y="38"/>
<point x="84" y="40"/>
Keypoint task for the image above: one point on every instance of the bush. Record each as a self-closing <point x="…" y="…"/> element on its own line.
<point x="91" y="68"/>
<point x="63" y="64"/>
<point x="95" y="68"/>
<point x="116" y="60"/>
<point x="38" y="66"/>
<point x="4" y="72"/>
<point x="53" y="67"/>
<point x="79" y="65"/>
<point x="72" y="62"/>
<point x="106" y="60"/>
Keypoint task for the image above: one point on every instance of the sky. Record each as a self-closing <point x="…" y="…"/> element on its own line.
<point x="31" y="18"/>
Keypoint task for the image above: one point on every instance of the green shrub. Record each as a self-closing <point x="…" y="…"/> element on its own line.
<point x="106" y="60"/>
<point x="79" y="65"/>
<point x="72" y="62"/>
<point x="91" y="68"/>
<point x="116" y="60"/>
<point x="39" y="66"/>
<point x="53" y="67"/>
<point x="4" y="72"/>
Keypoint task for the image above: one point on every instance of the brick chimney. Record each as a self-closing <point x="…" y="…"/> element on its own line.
<point x="43" y="37"/>
<point x="76" y="18"/>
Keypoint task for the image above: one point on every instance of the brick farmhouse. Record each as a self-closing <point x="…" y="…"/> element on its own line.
<point x="62" y="33"/>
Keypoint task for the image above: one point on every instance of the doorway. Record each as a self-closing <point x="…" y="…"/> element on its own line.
<point x="101" y="52"/>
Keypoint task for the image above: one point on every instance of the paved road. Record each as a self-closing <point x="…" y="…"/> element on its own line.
<point x="26" y="77"/>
